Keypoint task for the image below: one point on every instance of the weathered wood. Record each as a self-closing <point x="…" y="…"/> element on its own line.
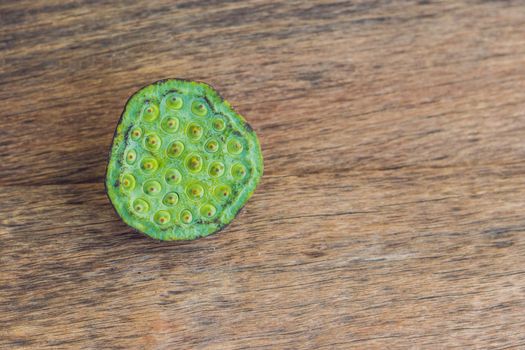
<point x="391" y="212"/>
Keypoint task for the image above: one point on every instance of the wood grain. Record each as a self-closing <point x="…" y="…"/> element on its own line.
<point x="392" y="210"/>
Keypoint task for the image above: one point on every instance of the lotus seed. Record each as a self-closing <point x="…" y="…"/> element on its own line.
<point x="152" y="142"/>
<point x="194" y="131"/>
<point x="170" y="124"/>
<point x="173" y="101"/>
<point x="150" y="112"/>
<point x="186" y="217"/>
<point x="238" y="171"/>
<point x="195" y="191"/>
<point x="212" y="146"/>
<point x="199" y="108"/>
<point x="222" y="192"/>
<point x="128" y="182"/>
<point x="162" y="217"/>
<point x="131" y="156"/>
<point x="234" y="146"/>
<point x="136" y="133"/>
<point x="149" y="164"/>
<point x="216" y="169"/>
<point x="194" y="163"/>
<point x="175" y="149"/>
<point x="152" y="187"/>
<point x="140" y="206"/>
<point x="208" y="210"/>
<point x="173" y="176"/>
<point x="218" y="124"/>
<point x="170" y="199"/>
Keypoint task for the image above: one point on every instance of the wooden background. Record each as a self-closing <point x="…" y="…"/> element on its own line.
<point x="392" y="210"/>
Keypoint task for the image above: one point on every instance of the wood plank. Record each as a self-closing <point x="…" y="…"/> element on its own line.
<point x="385" y="262"/>
<point x="391" y="210"/>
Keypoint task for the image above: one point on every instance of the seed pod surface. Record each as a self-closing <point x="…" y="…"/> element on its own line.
<point x="182" y="163"/>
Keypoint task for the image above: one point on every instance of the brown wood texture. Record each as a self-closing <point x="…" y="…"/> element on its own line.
<point x="391" y="214"/>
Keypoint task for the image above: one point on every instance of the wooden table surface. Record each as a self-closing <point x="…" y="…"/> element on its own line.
<point x="391" y="214"/>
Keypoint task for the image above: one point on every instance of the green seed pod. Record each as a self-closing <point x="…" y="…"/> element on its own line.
<point x="182" y="163"/>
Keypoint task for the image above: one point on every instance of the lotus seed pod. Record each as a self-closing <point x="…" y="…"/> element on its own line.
<point x="182" y="163"/>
